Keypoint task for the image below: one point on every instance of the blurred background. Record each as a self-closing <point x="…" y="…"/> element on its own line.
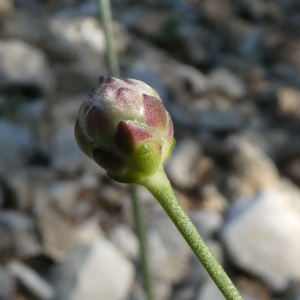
<point x="228" y="71"/>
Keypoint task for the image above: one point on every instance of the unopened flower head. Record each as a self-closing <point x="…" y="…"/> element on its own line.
<point x="125" y="128"/>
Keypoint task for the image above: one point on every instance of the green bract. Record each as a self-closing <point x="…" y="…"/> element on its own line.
<point x="125" y="128"/>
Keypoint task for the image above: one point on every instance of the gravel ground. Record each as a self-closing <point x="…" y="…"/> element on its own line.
<point x="228" y="71"/>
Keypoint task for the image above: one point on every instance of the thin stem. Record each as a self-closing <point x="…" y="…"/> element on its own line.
<point x="161" y="189"/>
<point x="141" y="233"/>
<point x="109" y="36"/>
<point x="139" y="223"/>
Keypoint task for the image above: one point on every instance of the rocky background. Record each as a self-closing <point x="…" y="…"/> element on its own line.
<point x="229" y="73"/>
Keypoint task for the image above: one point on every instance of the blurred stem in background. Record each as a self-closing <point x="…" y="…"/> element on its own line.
<point x="111" y="51"/>
<point x="141" y="233"/>
<point x="138" y="218"/>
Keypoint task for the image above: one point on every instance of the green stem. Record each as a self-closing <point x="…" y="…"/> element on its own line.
<point x="109" y="37"/>
<point x="161" y="189"/>
<point x="141" y="234"/>
<point x="115" y="71"/>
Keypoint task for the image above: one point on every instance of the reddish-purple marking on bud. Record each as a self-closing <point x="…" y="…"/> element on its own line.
<point x="105" y="79"/>
<point x="107" y="160"/>
<point x="130" y="81"/>
<point x="97" y="121"/>
<point x="129" y="136"/>
<point x="156" y="115"/>
<point x="127" y="98"/>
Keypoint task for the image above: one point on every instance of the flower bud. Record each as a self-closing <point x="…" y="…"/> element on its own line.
<point x="125" y="128"/>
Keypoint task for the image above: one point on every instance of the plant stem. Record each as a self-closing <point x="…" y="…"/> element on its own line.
<point x="141" y="233"/>
<point x="161" y="189"/>
<point x="139" y="223"/>
<point x="109" y="37"/>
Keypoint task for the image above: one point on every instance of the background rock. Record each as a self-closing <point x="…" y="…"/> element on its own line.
<point x="257" y="225"/>
<point x="65" y="154"/>
<point x="31" y="281"/>
<point x="229" y="83"/>
<point x="169" y="253"/>
<point x="210" y="291"/>
<point x="17" y="146"/>
<point x="23" y="64"/>
<point x="253" y="170"/>
<point x="183" y="163"/>
<point x="7" y="284"/>
<point x="19" y="237"/>
<point x="206" y="221"/>
<point x="76" y="277"/>
<point x="125" y="240"/>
